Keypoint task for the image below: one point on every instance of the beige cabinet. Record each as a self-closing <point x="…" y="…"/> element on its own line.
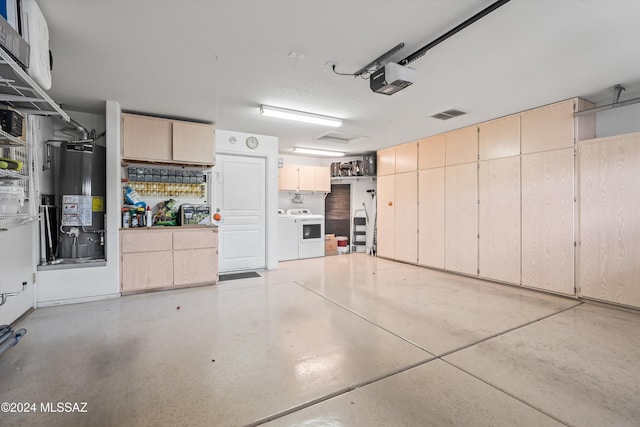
<point x="146" y="138"/>
<point x="499" y="138"/>
<point x="461" y="218"/>
<point x="461" y="146"/>
<point x="305" y="178"/>
<point x="153" y="259"/>
<point x="547" y="221"/>
<point x="431" y="217"/>
<point x="322" y="179"/>
<point x="288" y="179"/>
<point x="154" y="139"/>
<point x="609" y="232"/>
<point x="407" y="157"/>
<point x="386" y="216"/>
<point x="553" y="126"/>
<point x="193" y="143"/>
<point x="499" y="219"/>
<point x="386" y="159"/>
<point x="406" y="217"/>
<point x="431" y="152"/>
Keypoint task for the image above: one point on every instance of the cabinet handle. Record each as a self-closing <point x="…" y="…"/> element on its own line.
<point x="390" y="203"/>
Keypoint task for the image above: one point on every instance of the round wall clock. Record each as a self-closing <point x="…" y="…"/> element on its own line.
<point x="252" y="142"/>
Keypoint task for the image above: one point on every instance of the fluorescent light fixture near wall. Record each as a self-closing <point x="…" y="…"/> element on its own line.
<point x="316" y="152"/>
<point x="300" y="116"/>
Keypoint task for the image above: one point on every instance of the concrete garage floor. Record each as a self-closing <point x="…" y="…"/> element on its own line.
<point x="349" y="340"/>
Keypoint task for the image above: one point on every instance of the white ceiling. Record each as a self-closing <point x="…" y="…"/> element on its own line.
<point x="218" y="61"/>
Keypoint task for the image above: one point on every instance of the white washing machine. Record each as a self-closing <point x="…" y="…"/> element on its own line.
<point x="310" y="233"/>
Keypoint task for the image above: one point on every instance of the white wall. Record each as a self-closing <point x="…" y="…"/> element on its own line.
<point x="81" y="284"/>
<point x="233" y="142"/>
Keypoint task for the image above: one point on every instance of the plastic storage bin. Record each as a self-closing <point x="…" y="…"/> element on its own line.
<point x="11" y="199"/>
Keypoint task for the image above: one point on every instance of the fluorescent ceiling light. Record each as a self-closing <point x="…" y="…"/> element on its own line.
<point x="300" y="116"/>
<point x="313" y="151"/>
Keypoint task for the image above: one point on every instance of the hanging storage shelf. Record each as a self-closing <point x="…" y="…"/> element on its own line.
<point x="19" y="91"/>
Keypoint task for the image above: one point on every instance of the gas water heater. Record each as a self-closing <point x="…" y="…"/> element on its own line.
<point x="80" y="196"/>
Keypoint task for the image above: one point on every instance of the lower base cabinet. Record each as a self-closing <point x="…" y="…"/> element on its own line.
<point x="153" y="259"/>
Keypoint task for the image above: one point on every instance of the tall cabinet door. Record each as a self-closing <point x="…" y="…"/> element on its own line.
<point x="406" y="217"/>
<point x="461" y="218"/>
<point x="499" y="219"/>
<point x="386" y="216"/>
<point x="609" y="215"/>
<point x="431" y="217"/>
<point x="547" y="221"/>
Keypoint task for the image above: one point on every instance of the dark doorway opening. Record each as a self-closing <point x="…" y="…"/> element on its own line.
<point x="337" y="210"/>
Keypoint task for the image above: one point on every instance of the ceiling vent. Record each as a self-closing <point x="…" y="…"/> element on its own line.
<point x="448" y="114"/>
<point x="342" y="138"/>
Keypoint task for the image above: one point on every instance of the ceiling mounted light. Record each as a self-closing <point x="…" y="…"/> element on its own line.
<point x="315" y="152"/>
<point x="300" y="116"/>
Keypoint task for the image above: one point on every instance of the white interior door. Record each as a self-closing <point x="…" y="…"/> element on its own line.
<point x="239" y="197"/>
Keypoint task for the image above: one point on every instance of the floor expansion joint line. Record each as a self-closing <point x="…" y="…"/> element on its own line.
<point x="507" y="331"/>
<point x="338" y="393"/>
<point x="368" y="320"/>
<point x="507" y="393"/>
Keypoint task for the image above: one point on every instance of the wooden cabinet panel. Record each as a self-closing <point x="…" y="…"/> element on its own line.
<point x="167" y="141"/>
<point x="548" y="128"/>
<point x="146" y="138"/>
<point x="407" y="157"/>
<point x="406" y="217"/>
<point x="499" y="219"/>
<point x="145" y="240"/>
<point x="193" y="143"/>
<point x="499" y="138"/>
<point x="431" y="217"/>
<point x="161" y="259"/>
<point x="322" y="179"/>
<point x="195" y="238"/>
<point x="146" y="270"/>
<point x="195" y="266"/>
<point x="462" y="146"/>
<point x="306" y="178"/>
<point x="386" y="216"/>
<point x="288" y="180"/>
<point x="461" y="218"/>
<point x="386" y="161"/>
<point x="431" y="152"/>
<point x="547" y="221"/>
<point x="609" y="252"/>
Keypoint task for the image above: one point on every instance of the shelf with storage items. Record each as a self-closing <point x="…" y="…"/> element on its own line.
<point x="19" y="91"/>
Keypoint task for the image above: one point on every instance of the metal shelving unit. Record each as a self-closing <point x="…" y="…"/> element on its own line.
<point x="19" y="91"/>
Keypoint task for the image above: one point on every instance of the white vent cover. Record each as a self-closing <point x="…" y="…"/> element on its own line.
<point x="343" y="138"/>
<point x="448" y="114"/>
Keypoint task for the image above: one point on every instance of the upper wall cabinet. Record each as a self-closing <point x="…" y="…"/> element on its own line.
<point x="160" y="140"/>
<point x="386" y="161"/>
<point x="553" y="127"/>
<point x="407" y="157"/>
<point x="499" y="138"/>
<point x="305" y="178"/>
<point x="398" y="159"/>
<point x="462" y="146"/>
<point x="431" y="152"/>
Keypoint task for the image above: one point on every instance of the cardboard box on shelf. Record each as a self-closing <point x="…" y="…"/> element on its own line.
<point x="330" y="244"/>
